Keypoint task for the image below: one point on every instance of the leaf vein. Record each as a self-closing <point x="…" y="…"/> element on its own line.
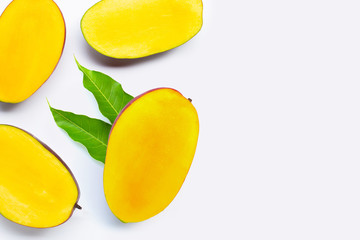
<point x="101" y="92"/>
<point x="81" y="129"/>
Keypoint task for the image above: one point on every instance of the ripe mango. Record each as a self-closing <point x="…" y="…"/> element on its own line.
<point x="150" y="150"/>
<point x="31" y="43"/>
<point x="37" y="189"/>
<point x="133" y="29"/>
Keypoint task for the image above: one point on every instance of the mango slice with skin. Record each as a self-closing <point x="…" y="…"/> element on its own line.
<point x="139" y="28"/>
<point x="37" y="189"/>
<point x="31" y="43"/>
<point x="150" y="150"/>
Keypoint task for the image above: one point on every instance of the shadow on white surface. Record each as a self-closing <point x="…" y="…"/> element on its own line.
<point x="8" y="107"/>
<point x="109" y="219"/>
<point x="97" y="203"/>
<point x="22" y="230"/>
<point x="114" y="62"/>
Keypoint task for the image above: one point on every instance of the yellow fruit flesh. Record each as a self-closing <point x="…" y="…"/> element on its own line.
<point x="150" y="151"/>
<point x="32" y="39"/>
<point x="36" y="189"/>
<point x="138" y="28"/>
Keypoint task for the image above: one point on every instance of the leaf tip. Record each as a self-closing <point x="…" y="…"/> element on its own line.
<point x="47" y="100"/>
<point x="77" y="63"/>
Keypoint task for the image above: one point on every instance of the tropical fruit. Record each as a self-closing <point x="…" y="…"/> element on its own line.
<point x="150" y="150"/>
<point x="133" y="29"/>
<point x="31" y="43"/>
<point x="37" y="189"/>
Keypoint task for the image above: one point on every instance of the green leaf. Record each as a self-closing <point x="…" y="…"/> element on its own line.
<point x="92" y="133"/>
<point x="109" y="94"/>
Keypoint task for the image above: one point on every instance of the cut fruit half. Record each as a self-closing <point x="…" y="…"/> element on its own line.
<point x="31" y="43"/>
<point x="37" y="189"/>
<point x="150" y="151"/>
<point x="133" y="29"/>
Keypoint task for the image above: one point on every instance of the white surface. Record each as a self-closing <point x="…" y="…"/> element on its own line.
<point x="277" y="88"/>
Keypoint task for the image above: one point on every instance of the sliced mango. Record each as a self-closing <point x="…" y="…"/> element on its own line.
<point x="150" y="150"/>
<point x="139" y="28"/>
<point x="32" y="39"/>
<point x="37" y="189"/>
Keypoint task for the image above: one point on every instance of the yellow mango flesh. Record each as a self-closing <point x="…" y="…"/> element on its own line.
<point x="36" y="188"/>
<point x="150" y="151"/>
<point x="32" y="39"/>
<point x="138" y="28"/>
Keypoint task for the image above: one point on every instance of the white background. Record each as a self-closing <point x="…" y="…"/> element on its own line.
<point x="277" y="89"/>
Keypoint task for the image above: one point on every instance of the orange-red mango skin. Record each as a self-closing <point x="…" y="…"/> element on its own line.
<point x="31" y="43"/>
<point x="150" y="150"/>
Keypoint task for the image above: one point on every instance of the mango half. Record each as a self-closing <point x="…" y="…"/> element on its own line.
<point x="150" y="150"/>
<point x="37" y="189"/>
<point x="139" y="28"/>
<point x="31" y="43"/>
